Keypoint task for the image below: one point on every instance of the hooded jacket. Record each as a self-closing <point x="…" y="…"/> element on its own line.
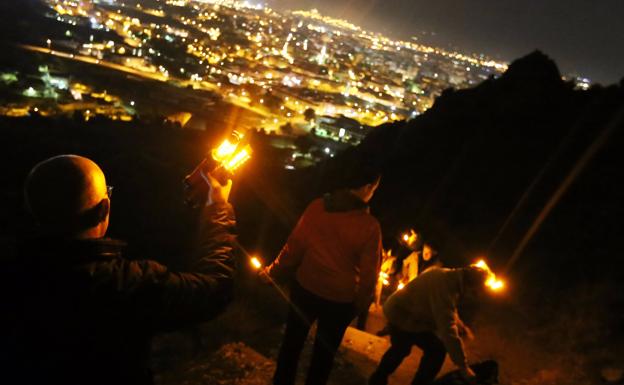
<point x="334" y="250"/>
<point x="77" y="312"/>
<point x="429" y="303"/>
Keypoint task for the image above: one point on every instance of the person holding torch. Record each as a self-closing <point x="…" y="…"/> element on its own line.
<point x="333" y="253"/>
<point x="424" y="313"/>
<point x="75" y="311"/>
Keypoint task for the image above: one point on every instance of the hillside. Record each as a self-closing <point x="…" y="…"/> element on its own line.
<point x="458" y="170"/>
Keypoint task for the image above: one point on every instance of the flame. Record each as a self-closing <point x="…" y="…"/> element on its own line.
<point x="493" y="283"/>
<point x="238" y="159"/>
<point x="225" y="150"/>
<point x="383" y="278"/>
<point x="410" y="237"/>
<point x="400" y="286"/>
<point x="230" y="155"/>
<point x="255" y="262"/>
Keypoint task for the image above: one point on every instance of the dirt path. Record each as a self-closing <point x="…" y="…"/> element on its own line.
<point x="237" y="363"/>
<point x="240" y="348"/>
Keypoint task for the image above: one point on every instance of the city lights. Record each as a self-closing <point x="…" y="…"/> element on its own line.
<point x="281" y="47"/>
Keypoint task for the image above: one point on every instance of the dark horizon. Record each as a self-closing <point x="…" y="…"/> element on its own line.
<point x="582" y="37"/>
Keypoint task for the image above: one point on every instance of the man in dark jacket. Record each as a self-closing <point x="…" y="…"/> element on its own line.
<point x="333" y="254"/>
<point x="74" y="310"/>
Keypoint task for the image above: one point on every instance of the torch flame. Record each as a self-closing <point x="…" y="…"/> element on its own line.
<point x="492" y="282"/>
<point x="383" y="277"/>
<point x="255" y="262"/>
<point x="231" y="154"/>
<point x="400" y="286"/>
<point x="410" y="237"/>
<point x="224" y="150"/>
<point x="495" y="283"/>
<point x="238" y="159"/>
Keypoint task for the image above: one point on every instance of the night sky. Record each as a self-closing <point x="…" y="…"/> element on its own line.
<point x="584" y="37"/>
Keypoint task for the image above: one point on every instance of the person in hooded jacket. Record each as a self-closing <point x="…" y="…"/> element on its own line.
<point x="334" y="254"/>
<point x="425" y="313"/>
<point x="75" y="311"/>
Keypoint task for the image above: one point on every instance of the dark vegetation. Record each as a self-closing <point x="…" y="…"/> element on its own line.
<point x="456" y="173"/>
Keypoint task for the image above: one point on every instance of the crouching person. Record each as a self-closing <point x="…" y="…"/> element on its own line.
<point x="77" y="312"/>
<point x="424" y="313"/>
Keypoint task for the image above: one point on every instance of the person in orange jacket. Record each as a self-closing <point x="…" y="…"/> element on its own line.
<point x="333" y="254"/>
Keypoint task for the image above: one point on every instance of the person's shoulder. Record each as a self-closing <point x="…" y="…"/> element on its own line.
<point x="124" y="272"/>
<point x="314" y="207"/>
<point x="442" y="277"/>
<point x="147" y="266"/>
<point x="435" y="274"/>
<point x="316" y="203"/>
<point x="371" y="222"/>
<point x="437" y="271"/>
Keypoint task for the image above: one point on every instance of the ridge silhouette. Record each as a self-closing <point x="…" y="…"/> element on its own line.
<point x="458" y="170"/>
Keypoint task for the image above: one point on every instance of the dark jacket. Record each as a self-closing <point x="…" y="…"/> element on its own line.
<point x="77" y="312"/>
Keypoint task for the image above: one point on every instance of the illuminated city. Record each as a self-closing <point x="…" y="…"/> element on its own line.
<point x="297" y="69"/>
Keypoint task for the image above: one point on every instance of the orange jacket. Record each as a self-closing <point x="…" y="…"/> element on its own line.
<point x="334" y="250"/>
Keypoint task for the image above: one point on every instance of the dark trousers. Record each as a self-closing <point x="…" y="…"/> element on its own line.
<point x="362" y="318"/>
<point x="401" y="345"/>
<point x="333" y="319"/>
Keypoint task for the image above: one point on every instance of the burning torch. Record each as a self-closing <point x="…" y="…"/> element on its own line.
<point x="411" y="239"/>
<point x="255" y="263"/>
<point x="492" y="282"/>
<point x="232" y="153"/>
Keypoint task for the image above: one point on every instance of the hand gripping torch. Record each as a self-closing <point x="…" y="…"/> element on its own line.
<point x="221" y="164"/>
